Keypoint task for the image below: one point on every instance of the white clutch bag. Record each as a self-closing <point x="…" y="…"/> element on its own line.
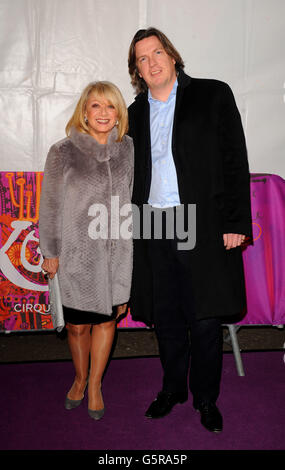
<point x="55" y="304"/>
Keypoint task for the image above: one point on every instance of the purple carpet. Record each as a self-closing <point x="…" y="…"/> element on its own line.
<point x="33" y="416"/>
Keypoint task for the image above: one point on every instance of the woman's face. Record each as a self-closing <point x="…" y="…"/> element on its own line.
<point x="102" y="117"/>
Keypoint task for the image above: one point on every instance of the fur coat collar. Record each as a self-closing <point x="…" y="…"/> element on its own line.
<point x="90" y="146"/>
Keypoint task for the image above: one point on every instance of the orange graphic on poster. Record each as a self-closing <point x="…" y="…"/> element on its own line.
<point x="24" y="290"/>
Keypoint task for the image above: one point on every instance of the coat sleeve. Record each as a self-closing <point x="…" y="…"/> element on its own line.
<point x="237" y="207"/>
<point x="51" y="205"/>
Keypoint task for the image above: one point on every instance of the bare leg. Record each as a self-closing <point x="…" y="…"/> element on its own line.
<point x="101" y="344"/>
<point x="79" y="340"/>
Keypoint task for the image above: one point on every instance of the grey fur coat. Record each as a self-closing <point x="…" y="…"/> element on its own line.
<point x="85" y="187"/>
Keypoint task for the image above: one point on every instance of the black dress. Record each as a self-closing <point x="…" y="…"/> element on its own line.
<point x="79" y="317"/>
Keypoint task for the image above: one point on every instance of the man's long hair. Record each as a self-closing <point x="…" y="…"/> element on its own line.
<point x="137" y="81"/>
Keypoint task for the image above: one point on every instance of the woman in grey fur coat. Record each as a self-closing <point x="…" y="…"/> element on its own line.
<point x="85" y="232"/>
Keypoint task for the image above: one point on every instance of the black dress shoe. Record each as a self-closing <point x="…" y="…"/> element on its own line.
<point x="211" y="417"/>
<point x="164" y="403"/>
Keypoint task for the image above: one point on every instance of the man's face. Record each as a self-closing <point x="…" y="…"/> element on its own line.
<point x="155" y="66"/>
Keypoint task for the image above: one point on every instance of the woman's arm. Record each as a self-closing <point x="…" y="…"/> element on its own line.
<point x="51" y="208"/>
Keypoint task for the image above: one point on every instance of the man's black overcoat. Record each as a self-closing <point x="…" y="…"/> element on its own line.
<point x="210" y="156"/>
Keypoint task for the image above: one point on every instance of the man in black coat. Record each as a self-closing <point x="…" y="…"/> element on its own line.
<point x="190" y="160"/>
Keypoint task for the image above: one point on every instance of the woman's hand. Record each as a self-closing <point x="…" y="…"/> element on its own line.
<point x="232" y="240"/>
<point x="121" y="309"/>
<point x="50" y="266"/>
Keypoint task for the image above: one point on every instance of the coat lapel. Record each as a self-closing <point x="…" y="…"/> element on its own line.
<point x="144" y="143"/>
<point x="183" y="112"/>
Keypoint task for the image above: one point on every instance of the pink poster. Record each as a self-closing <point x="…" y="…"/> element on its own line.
<point x="264" y="261"/>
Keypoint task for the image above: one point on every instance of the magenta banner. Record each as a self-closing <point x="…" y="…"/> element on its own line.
<point x="24" y="297"/>
<point x="264" y="262"/>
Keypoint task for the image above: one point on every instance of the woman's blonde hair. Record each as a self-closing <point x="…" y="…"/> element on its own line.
<point x="112" y="94"/>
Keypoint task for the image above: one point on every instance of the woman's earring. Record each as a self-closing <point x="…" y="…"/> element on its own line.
<point x="117" y="123"/>
<point x="85" y="120"/>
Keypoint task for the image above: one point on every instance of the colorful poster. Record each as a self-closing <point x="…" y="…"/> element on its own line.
<point x="24" y="290"/>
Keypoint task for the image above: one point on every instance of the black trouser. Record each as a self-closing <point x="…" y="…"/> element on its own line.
<point x="174" y="316"/>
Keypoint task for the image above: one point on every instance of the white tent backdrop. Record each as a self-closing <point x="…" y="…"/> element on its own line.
<point x="51" y="49"/>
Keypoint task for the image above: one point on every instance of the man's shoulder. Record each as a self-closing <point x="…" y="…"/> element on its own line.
<point x="188" y="82"/>
<point x="207" y="90"/>
<point x="140" y="100"/>
<point x="201" y="85"/>
<point x="209" y="83"/>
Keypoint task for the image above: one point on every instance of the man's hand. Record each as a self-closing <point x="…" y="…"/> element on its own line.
<point x="50" y="266"/>
<point x="232" y="240"/>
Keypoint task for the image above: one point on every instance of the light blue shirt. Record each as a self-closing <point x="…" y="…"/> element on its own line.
<point x="164" y="186"/>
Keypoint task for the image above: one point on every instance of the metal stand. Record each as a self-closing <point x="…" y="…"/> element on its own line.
<point x="236" y="350"/>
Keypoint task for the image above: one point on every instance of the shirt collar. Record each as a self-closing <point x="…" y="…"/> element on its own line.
<point x="172" y="93"/>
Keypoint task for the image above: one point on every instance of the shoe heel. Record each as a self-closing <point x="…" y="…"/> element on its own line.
<point x="71" y="404"/>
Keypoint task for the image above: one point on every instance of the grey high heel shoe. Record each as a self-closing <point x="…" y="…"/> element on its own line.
<point x="96" y="414"/>
<point x="71" y="404"/>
